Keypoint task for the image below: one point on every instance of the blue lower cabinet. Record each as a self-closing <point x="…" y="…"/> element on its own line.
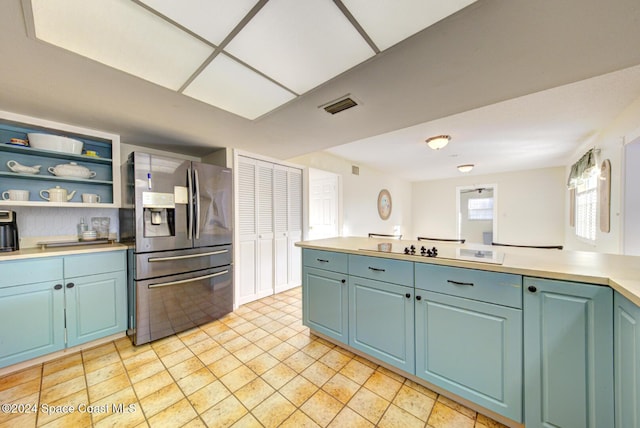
<point x="324" y="300"/>
<point x="626" y="324"/>
<point x="471" y="348"/>
<point x="32" y="321"/>
<point x="568" y="354"/>
<point x="381" y="321"/>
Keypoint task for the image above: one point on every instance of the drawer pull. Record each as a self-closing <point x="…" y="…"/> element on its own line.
<point x="323" y="260"/>
<point x="460" y="283"/>
<point x="376" y="269"/>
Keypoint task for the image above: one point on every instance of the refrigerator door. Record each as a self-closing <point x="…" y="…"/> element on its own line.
<point x="212" y="205"/>
<point x="159" y="181"/>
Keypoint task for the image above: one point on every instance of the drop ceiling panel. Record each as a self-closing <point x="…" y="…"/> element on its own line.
<point x="117" y="33"/>
<point x="213" y="20"/>
<point x="389" y="22"/>
<point x="300" y="44"/>
<point x="229" y="85"/>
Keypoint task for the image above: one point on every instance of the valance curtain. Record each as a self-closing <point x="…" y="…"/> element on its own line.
<point x="582" y="169"/>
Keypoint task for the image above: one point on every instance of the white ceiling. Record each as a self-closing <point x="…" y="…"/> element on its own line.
<point x="503" y="78"/>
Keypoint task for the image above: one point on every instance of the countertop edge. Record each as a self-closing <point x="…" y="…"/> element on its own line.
<point x="33" y="253"/>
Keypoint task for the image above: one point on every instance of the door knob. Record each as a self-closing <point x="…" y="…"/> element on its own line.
<point x="70" y="285"/>
<point x="57" y="287"/>
<point x="532" y="289"/>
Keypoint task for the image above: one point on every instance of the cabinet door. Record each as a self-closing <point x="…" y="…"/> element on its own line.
<point x="568" y="344"/>
<point x="471" y="348"/>
<point x="324" y="299"/>
<point x="33" y="321"/>
<point x="626" y="323"/>
<point x="381" y="321"/>
<point x="96" y="307"/>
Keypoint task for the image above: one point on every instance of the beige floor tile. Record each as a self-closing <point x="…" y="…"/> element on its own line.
<point x="357" y="372"/>
<point x="225" y="336"/>
<point x="203" y="345"/>
<point x="248" y="353"/>
<point x="236" y="344"/>
<point x="341" y="388"/>
<point x="193" y="336"/>
<point x="422" y="389"/>
<point x="414" y="402"/>
<point x="125" y="397"/>
<point x="185" y="368"/>
<point x="238" y="378"/>
<point x="443" y="416"/>
<point x="177" y="357"/>
<point x="28" y="405"/>
<point x="368" y="405"/>
<point x="273" y="411"/>
<point x="51" y="410"/>
<point x="279" y="375"/>
<point x="247" y="421"/>
<point x="457" y="407"/>
<point x="108" y="387"/>
<point x="175" y="415"/>
<point x="196" y="422"/>
<point x="298" y="390"/>
<point x="483" y="421"/>
<point x="272" y="326"/>
<point x="127" y="349"/>
<point x="254" y="393"/>
<point x="335" y="359"/>
<point x="213" y="354"/>
<point x="152" y="384"/>
<point x="224" y="365"/>
<point x="262" y="363"/>
<point x="161" y="399"/>
<point x="105" y="373"/>
<point x="25" y="389"/>
<point x="318" y="373"/>
<point x="299" y="361"/>
<point x="283" y="350"/>
<point x="299" y="340"/>
<point x="285" y="333"/>
<point x="322" y="408"/>
<point x="208" y="396"/>
<point x="215" y="328"/>
<point x="20" y="377"/>
<point x="396" y="417"/>
<point x="63" y="389"/>
<point x="140" y="359"/>
<point x="61" y="376"/>
<point x="268" y="342"/>
<point x="299" y="420"/>
<point x="145" y="370"/>
<point x="102" y="361"/>
<point x="383" y="385"/>
<point x="20" y="420"/>
<point x="224" y="413"/>
<point x="255" y="334"/>
<point x="74" y="419"/>
<point x="167" y="346"/>
<point x="196" y="380"/>
<point x="61" y="363"/>
<point x="98" y="351"/>
<point x="316" y="349"/>
<point x="129" y="417"/>
<point x="391" y="374"/>
<point x="244" y="328"/>
<point x="349" y="418"/>
<point x="365" y="361"/>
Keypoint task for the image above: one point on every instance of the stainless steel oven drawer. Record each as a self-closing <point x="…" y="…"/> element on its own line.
<point x="153" y="265"/>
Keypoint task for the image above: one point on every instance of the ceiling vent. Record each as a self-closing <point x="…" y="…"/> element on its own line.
<point x="340" y="105"/>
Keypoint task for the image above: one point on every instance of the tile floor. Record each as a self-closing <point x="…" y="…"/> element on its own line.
<point x="258" y="366"/>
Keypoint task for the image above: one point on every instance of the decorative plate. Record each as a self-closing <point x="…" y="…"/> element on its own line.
<point x="384" y="204"/>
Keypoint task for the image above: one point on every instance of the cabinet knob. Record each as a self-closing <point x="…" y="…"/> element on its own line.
<point x="408" y="295"/>
<point x="70" y="285"/>
<point x="343" y="281"/>
<point x="57" y="287"/>
<point x="418" y="297"/>
<point x="532" y="289"/>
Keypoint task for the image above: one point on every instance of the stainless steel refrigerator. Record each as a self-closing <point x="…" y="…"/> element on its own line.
<point x="177" y="219"/>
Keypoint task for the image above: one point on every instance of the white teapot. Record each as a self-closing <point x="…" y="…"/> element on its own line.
<point x="57" y="194"/>
<point x="72" y="170"/>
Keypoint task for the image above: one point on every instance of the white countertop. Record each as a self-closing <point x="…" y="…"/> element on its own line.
<point x="30" y="253"/>
<point x="622" y="273"/>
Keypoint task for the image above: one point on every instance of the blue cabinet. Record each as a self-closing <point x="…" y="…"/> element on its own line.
<point x="381" y="321"/>
<point x="626" y="324"/>
<point x="568" y="354"/>
<point x="470" y="347"/>
<point x="324" y="301"/>
<point x="76" y="299"/>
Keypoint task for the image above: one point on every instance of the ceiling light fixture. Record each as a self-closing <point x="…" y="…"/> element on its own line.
<point x="465" y="168"/>
<point x="438" y="142"/>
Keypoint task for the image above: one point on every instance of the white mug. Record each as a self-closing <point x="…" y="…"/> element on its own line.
<point x="16" y="195"/>
<point x="90" y="198"/>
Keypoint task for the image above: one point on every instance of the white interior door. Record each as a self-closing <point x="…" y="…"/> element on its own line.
<point x="323" y="204"/>
<point x="281" y="226"/>
<point x="265" y="228"/>
<point x="247" y="229"/>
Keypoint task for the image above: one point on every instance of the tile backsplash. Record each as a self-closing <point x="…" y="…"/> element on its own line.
<point x="53" y="222"/>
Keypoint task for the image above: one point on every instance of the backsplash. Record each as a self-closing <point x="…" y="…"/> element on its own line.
<point x="49" y="223"/>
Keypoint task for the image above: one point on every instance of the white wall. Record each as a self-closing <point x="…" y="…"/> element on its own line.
<point x="631" y="234"/>
<point x="623" y="129"/>
<point x="530" y="205"/>
<point x="360" y="196"/>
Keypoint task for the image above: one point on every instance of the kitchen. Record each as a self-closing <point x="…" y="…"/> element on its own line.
<point x="146" y="123"/>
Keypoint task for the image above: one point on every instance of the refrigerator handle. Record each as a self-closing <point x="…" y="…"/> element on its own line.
<point x="190" y="206"/>
<point x="196" y="202"/>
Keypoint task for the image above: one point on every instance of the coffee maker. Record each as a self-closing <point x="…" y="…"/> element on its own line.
<point x="8" y="231"/>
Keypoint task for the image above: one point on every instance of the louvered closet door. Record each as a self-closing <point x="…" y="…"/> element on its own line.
<point x="265" y="228"/>
<point x="248" y="230"/>
<point x="281" y="227"/>
<point x="294" y="177"/>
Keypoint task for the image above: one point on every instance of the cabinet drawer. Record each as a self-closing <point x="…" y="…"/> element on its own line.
<point x="492" y="287"/>
<point x="95" y="263"/>
<point x="28" y="271"/>
<point x="328" y="260"/>
<point x="387" y="270"/>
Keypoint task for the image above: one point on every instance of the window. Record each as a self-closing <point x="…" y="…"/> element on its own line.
<point x="586" y="207"/>
<point x="480" y="209"/>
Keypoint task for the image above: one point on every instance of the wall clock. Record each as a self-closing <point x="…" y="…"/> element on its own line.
<point x="384" y="204"/>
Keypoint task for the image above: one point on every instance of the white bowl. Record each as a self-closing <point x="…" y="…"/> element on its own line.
<point x="55" y="143"/>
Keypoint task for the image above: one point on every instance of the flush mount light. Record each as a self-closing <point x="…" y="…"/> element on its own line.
<point x="465" y="168"/>
<point x="438" y="142"/>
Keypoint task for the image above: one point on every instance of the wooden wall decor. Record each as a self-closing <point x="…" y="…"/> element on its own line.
<point x="604" y="195"/>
